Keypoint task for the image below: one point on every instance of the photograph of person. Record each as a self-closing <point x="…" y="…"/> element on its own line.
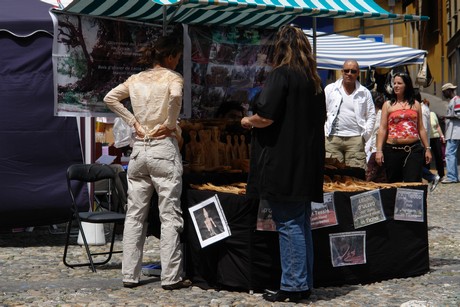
<point x="209" y="221"/>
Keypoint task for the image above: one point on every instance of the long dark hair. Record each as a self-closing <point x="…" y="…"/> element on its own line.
<point x="293" y="49"/>
<point x="162" y="48"/>
<point x="409" y="91"/>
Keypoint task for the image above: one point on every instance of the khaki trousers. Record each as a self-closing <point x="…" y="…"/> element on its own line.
<point x="155" y="165"/>
<point x="347" y="149"/>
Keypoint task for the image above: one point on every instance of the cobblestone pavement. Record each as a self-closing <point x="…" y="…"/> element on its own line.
<point x="32" y="274"/>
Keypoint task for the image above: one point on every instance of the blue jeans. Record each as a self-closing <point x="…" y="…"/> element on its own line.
<point x="451" y="159"/>
<point x="427" y="174"/>
<point x="292" y="221"/>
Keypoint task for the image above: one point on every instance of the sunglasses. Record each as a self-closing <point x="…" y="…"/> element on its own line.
<point x="347" y="71"/>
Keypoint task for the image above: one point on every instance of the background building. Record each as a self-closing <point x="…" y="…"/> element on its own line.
<point x="439" y="36"/>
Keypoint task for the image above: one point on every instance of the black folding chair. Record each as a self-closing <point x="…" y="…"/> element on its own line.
<point x="89" y="173"/>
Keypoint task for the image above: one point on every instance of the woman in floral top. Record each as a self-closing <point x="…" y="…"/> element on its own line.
<point x="402" y="141"/>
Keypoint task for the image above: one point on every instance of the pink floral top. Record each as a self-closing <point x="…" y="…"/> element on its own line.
<point x="402" y="124"/>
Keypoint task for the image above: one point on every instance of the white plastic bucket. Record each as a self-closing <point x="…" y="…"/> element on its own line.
<point x="94" y="234"/>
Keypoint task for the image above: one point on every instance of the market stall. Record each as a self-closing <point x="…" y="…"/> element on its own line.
<point x="223" y="62"/>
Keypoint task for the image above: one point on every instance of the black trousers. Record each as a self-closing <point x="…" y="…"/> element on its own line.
<point x="436" y="151"/>
<point x="404" y="163"/>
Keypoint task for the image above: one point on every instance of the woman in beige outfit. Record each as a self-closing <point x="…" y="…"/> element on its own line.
<point x="156" y="163"/>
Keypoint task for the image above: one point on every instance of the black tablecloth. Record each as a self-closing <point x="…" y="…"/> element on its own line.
<point x="249" y="259"/>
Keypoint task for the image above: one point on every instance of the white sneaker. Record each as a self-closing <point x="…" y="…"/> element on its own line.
<point x="447" y="180"/>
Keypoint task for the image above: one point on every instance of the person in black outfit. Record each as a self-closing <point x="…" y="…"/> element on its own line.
<point x="287" y="156"/>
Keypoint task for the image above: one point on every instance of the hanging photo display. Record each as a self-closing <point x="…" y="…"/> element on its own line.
<point x="228" y="64"/>
<point x="409" y="205"/>
<point x="93" y="55"/>
<point x="209" y="221"/>
<point x="323" y="214"/>
<point x="367" y="208"/>
<point x="264" y="217"/>
<point x="348" y="248"/>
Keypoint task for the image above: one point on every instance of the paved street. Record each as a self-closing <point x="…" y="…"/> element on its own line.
<point x="32" y="274"/>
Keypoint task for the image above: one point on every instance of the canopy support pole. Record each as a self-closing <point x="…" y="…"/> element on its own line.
<point x="166" y="22"/>
<point x="314" y="36"/>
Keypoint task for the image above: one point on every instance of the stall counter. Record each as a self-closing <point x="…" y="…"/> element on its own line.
<point x="249" y="259"/>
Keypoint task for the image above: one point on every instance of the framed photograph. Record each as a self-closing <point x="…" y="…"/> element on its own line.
<point x="323" y="214"/>
<point x="367" y="208"/>
<point x="264" y="217"/>
<point x="209" y="221"/>
<point x="409" y="205"/>
<point x="348" y="248"/>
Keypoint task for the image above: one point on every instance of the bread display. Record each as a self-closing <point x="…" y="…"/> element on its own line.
<point x="336" y="184"/>
<point x="351" y="184"/>
<point x="234" y="188"/>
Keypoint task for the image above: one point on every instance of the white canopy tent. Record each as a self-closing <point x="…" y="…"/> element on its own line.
<point x="334" y="49"/>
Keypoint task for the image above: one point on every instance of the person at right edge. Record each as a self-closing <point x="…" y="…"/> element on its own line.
<point x="452" y="133"/>
<point x="155" y="163"/>
<point x="287" y="157"/>
<point x="402" y="142"/>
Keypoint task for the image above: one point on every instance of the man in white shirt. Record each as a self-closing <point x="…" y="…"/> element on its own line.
<point x="452" y="133"/>
<point x="350" y="117"/>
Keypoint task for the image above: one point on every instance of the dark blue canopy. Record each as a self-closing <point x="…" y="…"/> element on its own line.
<point x="25" y="17"/>
<point x="36" y="147"/>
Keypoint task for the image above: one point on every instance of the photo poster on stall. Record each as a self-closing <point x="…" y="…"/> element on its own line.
<point x="409" y="205"/>
<point x="209" y="221"/>
<point x="264" y="217"/>
<point x="228" y="64"/>
<point x="93" y="55"/>
<point x="367" y="208"/>
<point x="348" y="248"/>
<point x="323" y="214"/>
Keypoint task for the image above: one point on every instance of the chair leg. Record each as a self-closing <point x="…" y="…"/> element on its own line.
<point x="111" y="251"/>
<point x="66" y="246"/>
<point x="88" y="252"/>
<point x="85" y="243"/>
<point x="90" y="255"/>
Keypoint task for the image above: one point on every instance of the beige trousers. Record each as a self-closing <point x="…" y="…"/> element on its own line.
<point x="348" y="150"/>
<point x="155" y="165"/>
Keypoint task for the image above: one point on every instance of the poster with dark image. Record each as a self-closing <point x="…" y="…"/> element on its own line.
<point x="219" y="63"/>
<point x="233" y="60"/>
<point x="93" y="55"/>
<point x="348" y="248"/>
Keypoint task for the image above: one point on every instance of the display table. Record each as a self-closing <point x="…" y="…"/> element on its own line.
<point x="249" y="259"/>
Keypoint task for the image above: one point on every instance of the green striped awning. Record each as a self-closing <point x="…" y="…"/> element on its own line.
<point x="245" y="13"/>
